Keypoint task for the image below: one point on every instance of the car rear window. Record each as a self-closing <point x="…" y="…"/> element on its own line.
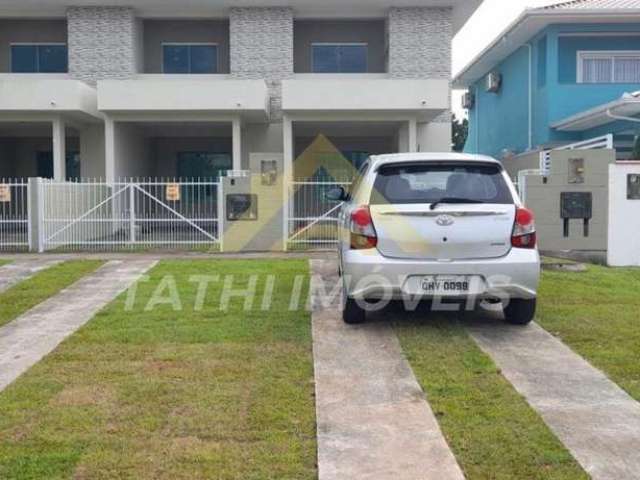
<point x="432" y="182"/>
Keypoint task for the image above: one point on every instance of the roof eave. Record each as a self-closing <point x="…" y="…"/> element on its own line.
<point x="574" y="122"/>
<point x="551" y="16"/>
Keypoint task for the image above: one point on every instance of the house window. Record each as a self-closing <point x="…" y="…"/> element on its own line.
<point x="45" y="58"/>
<point x="191" y="58"/>
<point x="203" y="164"/>
<point x="609" y="67"/>
<point x="339" y="58"/>
<point x="45" y="165"/>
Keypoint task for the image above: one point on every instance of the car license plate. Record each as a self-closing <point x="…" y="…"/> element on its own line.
<point x="445" y="285"/>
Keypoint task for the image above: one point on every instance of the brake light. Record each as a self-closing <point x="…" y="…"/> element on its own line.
<point x="363" y="233"/>
<point x="524" y="229"/>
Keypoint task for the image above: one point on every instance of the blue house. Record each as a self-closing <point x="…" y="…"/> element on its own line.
<point x="560" y="74"/>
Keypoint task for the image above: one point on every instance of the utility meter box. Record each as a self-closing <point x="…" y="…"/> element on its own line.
<point x="576" y="171"/>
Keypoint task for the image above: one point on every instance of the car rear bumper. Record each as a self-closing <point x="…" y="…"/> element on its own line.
<point x="368" y="274"/>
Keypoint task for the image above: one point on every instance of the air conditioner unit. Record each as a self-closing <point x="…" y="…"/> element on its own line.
<point x="468" y="101"/>
<point x="494" y="82"/>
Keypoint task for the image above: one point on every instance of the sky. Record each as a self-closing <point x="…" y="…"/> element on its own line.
<point x="490" y="19"/>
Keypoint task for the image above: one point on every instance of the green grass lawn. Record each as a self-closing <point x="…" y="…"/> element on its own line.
<point x="597" y="313"/>
<point x="491" y="429"/>
<point x="163" y="394"/>
<point x="4" y="262"/>
<point x="32" y="291"/>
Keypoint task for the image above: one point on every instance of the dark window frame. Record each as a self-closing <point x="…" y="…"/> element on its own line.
<point x="189" y="46"/>
<point x="38" y="46"/>
<point x="340" y="70"/>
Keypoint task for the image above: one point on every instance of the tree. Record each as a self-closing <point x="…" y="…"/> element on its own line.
<point x="636" y="148"/>
<point x="460" y="132"/>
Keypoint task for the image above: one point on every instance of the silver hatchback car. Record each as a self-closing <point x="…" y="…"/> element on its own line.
<point x="436" y="227"/>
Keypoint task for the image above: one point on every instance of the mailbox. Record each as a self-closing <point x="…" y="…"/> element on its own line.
<point x="576" y="206"/>
<point x="242" y="207"/>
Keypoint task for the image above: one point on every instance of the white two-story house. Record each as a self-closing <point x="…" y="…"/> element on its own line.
<point x="192" y="87"/>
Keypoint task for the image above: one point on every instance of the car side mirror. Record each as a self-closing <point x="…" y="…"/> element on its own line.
<point x="337" y="194"/>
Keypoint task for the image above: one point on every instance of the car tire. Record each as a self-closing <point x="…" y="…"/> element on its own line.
<point x="520" y="311"/>
<point x="352" y="313"/>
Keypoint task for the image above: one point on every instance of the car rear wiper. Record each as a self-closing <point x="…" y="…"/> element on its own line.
<point x="434" y="205"/>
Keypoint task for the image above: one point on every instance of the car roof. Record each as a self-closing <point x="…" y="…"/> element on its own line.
<point x="378" y="160"/>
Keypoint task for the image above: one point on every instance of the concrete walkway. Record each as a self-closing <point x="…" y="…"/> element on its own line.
<point x="373" y="419"/>
<point x="595" y="419"/>
<point x="35" y="334"/>
<point x="23" y="268"/>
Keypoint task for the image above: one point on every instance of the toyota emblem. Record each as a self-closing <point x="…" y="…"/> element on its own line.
<point x="445" y="220"/>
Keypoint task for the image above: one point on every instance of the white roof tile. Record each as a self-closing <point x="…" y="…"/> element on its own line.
<point x="594" y="5"/>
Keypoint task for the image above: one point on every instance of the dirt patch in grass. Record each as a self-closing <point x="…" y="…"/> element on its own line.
<point x="491" y="429"/>
<point x="597" y="314"/>
<point x="162" y="394"/>
<point x="82" y="396"/>
<point x="27" y="294"/>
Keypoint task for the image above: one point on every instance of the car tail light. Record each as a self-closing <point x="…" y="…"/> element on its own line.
<point x="524" y="229"/>
<point x="363" y="233"/>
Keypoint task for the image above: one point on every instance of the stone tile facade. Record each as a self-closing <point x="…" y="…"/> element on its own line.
<point x="262" y="47"/>
<point x="420" y="44"/>
<point x="104" y="43"/>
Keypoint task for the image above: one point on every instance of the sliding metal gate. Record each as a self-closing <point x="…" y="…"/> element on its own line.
<point x="130" y="215"/>
<point x="14" y="215"/>
<point x="313" y="220"/>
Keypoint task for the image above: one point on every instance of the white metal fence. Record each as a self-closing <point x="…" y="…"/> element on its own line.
<point x="313" y="220"/>
<point x="603" y="142"/>
<point x="14" y="215"/>
<point x="131" y="214"/>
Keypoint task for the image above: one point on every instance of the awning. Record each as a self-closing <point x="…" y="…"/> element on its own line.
<point x="625" y="108"/>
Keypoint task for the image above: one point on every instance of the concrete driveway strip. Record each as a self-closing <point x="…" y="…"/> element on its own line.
<point x="19" y="270"/>
<point x="27" y="339"/>
<point x="595" y="419"/>
<point x="374" y="422"/>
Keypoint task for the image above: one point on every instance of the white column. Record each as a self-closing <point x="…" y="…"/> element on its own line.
<point x="287" y="175"/>
<point x="403" y="138"/>
<point x="237" y="143"/>
<point x="59" y="150"/>
<point x="109" y="150"/>
<point x="413" y="136"/>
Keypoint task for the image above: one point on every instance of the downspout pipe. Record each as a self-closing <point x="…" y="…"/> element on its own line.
<point x="477" y="115"/>
<point x="530" y="94"/>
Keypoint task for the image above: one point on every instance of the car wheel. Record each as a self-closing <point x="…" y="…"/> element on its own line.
<point x="353" y="313"/>
<point x="520" y="311"/>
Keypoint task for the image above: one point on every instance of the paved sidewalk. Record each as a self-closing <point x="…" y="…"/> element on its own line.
<point x="373" y="420"/>
<point x="21" y="269"/>
<point x="594" y="418"/>
<point x="27" y="339"/>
